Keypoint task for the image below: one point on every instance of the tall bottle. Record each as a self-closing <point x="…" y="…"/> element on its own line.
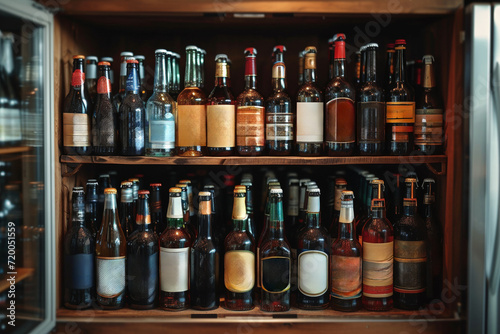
<point x="400" y="107"/>
<point x="250" y="114"/>
<point x="142" y="259"/>
<point x="156" y="208"/>
<point x="122" y="84"/>
<point x="313" y="251"/>
<point x="221" y="112"/>
<point x="91" y="215"/>
<point x="127" y="208"/>
<point x="340" y="186"/>
<point x="358" y="68"/>
<point x="79" y="261"/>
<point x="111" y="72"/>
<point x="371" y="108"/>
<point x="105" y="121"/>
<point x="91" y="77"/>
<point x="111" y="249"/>
<point x="132" y="114"/>
<point x="390" y="63"/>
<point x="239" y="258"/>
<point x="340" y="113"/>
<point x="429" y="113"/>
<point x="160" y="120"/>
<point x="174" y="257"/>
<point x="204" y="260"/>
<point x="410" y="254"/>
<point x="142" y="78"/>
<point x="345" y="260"/>
<point x="378" y="255"/>
<point x="280" y="118"/>
<point x="76" y="118"/>
<point x="191" y="111"/>
<point x="309" y="110"/>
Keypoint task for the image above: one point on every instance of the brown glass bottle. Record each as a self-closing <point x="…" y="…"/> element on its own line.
<point x="340" y="186"/>
<point x="221" y="112"/>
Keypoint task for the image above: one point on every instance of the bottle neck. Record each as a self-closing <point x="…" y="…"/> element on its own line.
<point x="250" y="73"/>
<point x="313" y="212"/>
<point x="221" y="74"/>
<point x="400" y="69"/>
<point x="143" y="217"/>
<point x="123" y="76"/>
<point x="410" y="208"/>
<point x="309" y="75"/>
<point x="205" y="226"/>
<point x="276" y="224"/>
<point x="78" y="215"/>
<point x="338" y="68"/>
<point x="428" y="76"/>
<point x="170" y="71"/>
<point x="160" y="84"/>
<point x="371" y="66"/>
<point x="191" y="77"/>
<point x="78" y="77"/>
<point x="132" y="79"/>
<point x="104" y="82"/>
<point x="346" y="220"/>
<point x="310" y="68"/>
<point x="279" y="76"/>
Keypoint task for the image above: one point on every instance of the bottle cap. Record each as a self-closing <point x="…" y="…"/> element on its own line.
<point x="250" y="52"/>
<point x="103" y="63"/>
<point x="204" y="193"/>
<point x="92" y="58"/>
<point x="428" y="59"/>
<point x="181" y="185"/>
<point x="279" y="48"/>
<point x="126" y="184"/>
<point x="139" y="57"/>
<point x="78" y="189"/>
<point x="371" y="45"/>
<point x="78" y="57"/>
<point x="238" y="190"/>
<point x="132" y="61"/>
<point x="175" y="190"/>
<point x="221" y="56"/>
<point x="126" y="54"/>
<point x="304" y="181"/>
<point x="400" y="42"/>
<point x="209" y="186"/>
<point x="110" y="191"/>
<point x="377" y="181"/>
<point x="155" y="185"/>
<point x="191" y="47"/>
<point x="94" y="181"/>
<point x="176" y="55"/>
<point x="203" y="52"/>
<point x="310" y="49"/>
<point x="390" y="46"/>
<point x="294" y="181"/>
<point x="340" y="181"/>
<point x="143" y="192"/>
<point x="134" y="179"/>
<point x="347" y="193"/>
<point x="410" y="180"/>
<point x="109" y="59"/>
<point x="429" y="180"/>
<point x="161" y="51"/>
<point x="277" y="191"/>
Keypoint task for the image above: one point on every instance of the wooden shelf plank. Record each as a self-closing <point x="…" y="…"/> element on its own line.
<point x="13" y="150"/>
<point x="22" y="273"/>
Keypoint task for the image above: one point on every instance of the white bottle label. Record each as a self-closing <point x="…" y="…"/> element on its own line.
<point x="162" y="134"/>
<point x="174" y="269"/>
<point x="110" y="276"/>
<point x="310" y="122"/>
<point x="313" y="273"/>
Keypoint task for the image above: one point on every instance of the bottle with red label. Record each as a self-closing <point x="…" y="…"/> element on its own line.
<point x="76" y="117"/>
<point x="250" y="122"/>
<point x="105" y="120"/>
<point x="340" y="115"/>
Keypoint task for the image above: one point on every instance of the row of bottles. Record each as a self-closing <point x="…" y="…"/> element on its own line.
<point x="357" y="259"/>
<point x="345" y="120"/>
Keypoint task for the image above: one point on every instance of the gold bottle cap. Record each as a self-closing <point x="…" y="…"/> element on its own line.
<point x="240" y="189"/>
<point x="79" y="57"/>
<point x="205" y="207"/>
<point x="175" y="190"/>
<point x="110" y="191"/>
<point x="185" y="181"/>
<point x="126" y="184"/>
<point x="181" y="185"/>
<point x="134" y="180"/>
<point x="340" y="181"/>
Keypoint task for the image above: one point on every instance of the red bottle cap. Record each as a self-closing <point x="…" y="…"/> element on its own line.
<point x="143" y="192"/>
<point x="340" y="47"/>
<point x="390" y="46"/>
<point x="132" y="61"/>
<point x="78" y="57"/>
<point x="103" y="63"/>
<point x="400" y="42"/>
<point x="155" y="185"/>
<point x="279" y="48"/>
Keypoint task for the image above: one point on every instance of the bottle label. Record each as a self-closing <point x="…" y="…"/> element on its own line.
<point x="250" y="125"/>
<point x="76" y="130"/>
<point x="110" y="276"/>
<point x="346" y="278"/>
<point x="191" y="125"/>
<point x="221" y="120"/>
<point x="429" y="126"/>
<point x="79" y="270"/>
<point x="340" y="122"/>
<point x="174" y="269"/>
<point x="378" y="269"/>
<point x="162" y="134"/>
<point x="78" y="78"/>
<point x="275" y="274"/>
<point x="338" y="195"/>
<point x="309" y="122"/>
<point x="401" y="133"/>
<point x="132" y="83"/>
<point x="103" y="85"/>
<point x="239" y="271"/>
<point x="279" y="126"/>
<point x="410" y="259"/>
<point x="313" y="273"/>
<point x="400" y="112"/>
<point x="371" y="122"/>
<point x="142" y="276"/>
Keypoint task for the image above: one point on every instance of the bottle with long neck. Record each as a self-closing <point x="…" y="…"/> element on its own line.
<point x="340" y="113"/>
<point x="142" y="259"/>
<point x="249" y="208"/>
<point x="358" y="83"/>
<point x="280" y="118"/>
<point x="313" y="250"/>
<point x="191" y="111"/>
<point x="136" y="185"/>
<point x="410" y="254"/>
<point x="91" y="77"/>
<point x="176" y="76"/>
<point x="142" y="78"/>
<point x="91" y="215"/>
<point x="175" y="243"/>
<point x="371" y="108"/>
<point x="345" y="261"/>
<point x="378" y="254"/>
<point x="122" y="84"/>
<point x="396" y="203"/>
<point x="192" y="210"/>
<point x="389" y="68"/>
<point x="275" y="262"/>
<point x="400" y="107"/>
<point x="76" y="118"/>
<point x="156" y="208"/>
<point x="160" y="124"/>
<point x="111" y="72"/>
<point x="188" y="224"/>
<point x="127" y="208"/>
<point x="105" y="119"/>
<point x="429" y="113"/>
<point x="203" y="53"/>
<point x="331" y="55"/>
<point x="221" y="112"/>
<point x="371" y="193"/>
<point x="362" y="70"/>
<point x="111" y="249"/>
<point x="340" y="186"/>
<point x="204" y="260"/>
<point x="79" y="260"/>
<point x="239" y="258"/>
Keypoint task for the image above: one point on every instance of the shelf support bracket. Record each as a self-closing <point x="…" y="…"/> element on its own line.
<point x="70" y="169"/>
<point x="435" y="171"/>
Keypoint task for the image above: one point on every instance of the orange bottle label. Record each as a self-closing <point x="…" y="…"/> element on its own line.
<point x="400" y="112"/>
<point x="250" y="126"/>
<point x="191" y="125"/>
<point x="221" y="121"/>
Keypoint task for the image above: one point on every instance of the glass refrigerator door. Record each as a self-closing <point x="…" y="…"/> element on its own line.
<point x="27" y="281"/>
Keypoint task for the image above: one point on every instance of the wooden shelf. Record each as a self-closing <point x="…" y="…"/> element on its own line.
<point x="22" y="273"/>
<point x="13" y="150"/>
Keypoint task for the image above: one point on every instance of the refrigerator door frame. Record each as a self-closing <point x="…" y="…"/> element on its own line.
<point x="32" y="12"/>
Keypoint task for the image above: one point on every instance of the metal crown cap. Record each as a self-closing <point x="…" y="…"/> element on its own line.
<point x="103" y="63"/>
<point x="310" y="49"/>
<point x="204" y="193"/>
<point x="250" y="52"/>
<point x="126" y="184"/>
<point x="160" y="51"/>
<point x="140" y="57"/>
<point x="78" y="189"/>
<point x="280" y="48"/>
<point x="429" y="180"/>
<point x="79" y="57"/>
<point x="191" y="47"/>
<point x="126" y="54"/>
<point x="222" y="56"/>
<point x="400" y="42"/>
<point x="92" y="58"/>
<point x="110" y="59"/>
<point x="277" y="191"/>
<point x="371" y="45"/>
<point x="143" y="192"/>
<point x="362" y="48"/>
<point x="175" y="190"/>
<point x="110" y="191"/>
<point x="346" y="193"/>
<point x="340" y="181"/>
<point x="428" y="59"/>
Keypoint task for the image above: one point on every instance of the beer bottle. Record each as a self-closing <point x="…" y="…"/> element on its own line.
<point x="156" y="208"/>
<point x="127" y="208"/>
<point x="120" y="96"/>
<point x="91" y="77"/>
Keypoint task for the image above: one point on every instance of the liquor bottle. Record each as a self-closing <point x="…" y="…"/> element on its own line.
<point x="156" y="208"/>
<point x="410" y="254"/>
<point x="221" y="112"/>
<point x="122" y="84"/>
<point x="127" y="208"/>
<point x="340" y="113"/>
<point x="191" y="111"/>
<point x="249" y="208"/>
<point x="111" y="72"/>
<point x="390" y="63"/>
<point x="142" y="80"/>
<point x="400" y="107"/>
<point x="188" y="225"/>
<point x="79" y="251"/>
<point x="434" y="242"/>
<point x="160" y="120"/>
<point x="280" y="117"/>
<point x="378" y="253"/>
<point x="309" y="110"/>
<point x="76" y="119"/>
<point x="345" y="260"/>
<point x="371" y="108"/>
<point x="105" y="120"/>
<point x="292" y="217"/>
<point x="110" y="250"/>
<point x="301" y="68"/>
<point x="132" y="114"/>
<point x="275" y="262"/>
<point x="313" y="249"/>
<point x="239" y="258"/>
<point x="142" y="259"/>
<point x="250" y="113"/>
<point x="91" y="214"/>
<point x="429" y="113"/>
<point x="204" y="261"/>
<point x="175" y="242"/>
<point x="91" y="77"/>
<point x="340" y="186"/>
